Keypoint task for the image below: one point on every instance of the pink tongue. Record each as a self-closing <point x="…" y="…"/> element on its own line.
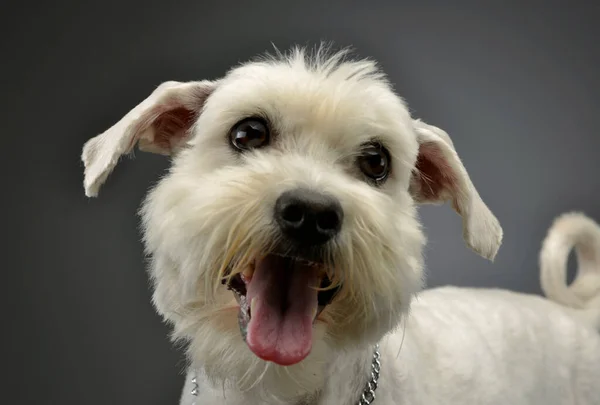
<point x="284" y="302"/>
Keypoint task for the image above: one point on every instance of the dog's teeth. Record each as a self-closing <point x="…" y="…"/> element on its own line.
<point x="314" y="312"/>
<point x="252" y="305"/>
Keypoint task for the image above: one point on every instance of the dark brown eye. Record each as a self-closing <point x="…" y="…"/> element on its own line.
<point x="374" y="162"/>
<point x="250" y="133"/>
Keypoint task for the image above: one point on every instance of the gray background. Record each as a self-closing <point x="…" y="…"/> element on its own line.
<point x="515" y="85"/>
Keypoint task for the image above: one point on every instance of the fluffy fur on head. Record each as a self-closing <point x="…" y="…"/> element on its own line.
<point x="212" y="214"/>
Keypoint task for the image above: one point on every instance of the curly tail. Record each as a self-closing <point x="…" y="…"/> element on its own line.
<point x="573" y="230"/>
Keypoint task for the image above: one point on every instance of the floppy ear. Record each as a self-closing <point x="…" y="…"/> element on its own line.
<point x="440" y="176"/>
<point x="159" y="124"/>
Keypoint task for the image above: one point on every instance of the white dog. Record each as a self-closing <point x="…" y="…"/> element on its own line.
<point x="286" y="249"/>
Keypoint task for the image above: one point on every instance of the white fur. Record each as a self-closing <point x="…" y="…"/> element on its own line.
<point x="573" y="230"/>
<point x="446" y="346"/>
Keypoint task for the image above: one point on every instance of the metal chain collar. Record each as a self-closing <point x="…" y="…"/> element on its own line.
<point x="367" y="397"/>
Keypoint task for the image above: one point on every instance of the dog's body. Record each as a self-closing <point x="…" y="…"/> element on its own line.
<point x="464" y="346"/>
<point x="294" y="184"/>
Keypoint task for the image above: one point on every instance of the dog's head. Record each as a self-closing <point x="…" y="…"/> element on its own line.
<point x="287" y="222"/>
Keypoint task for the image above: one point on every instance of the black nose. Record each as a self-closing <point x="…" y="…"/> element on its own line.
<point x="307" y="217"/>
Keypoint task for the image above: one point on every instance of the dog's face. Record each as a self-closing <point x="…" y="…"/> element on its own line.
<point x="287" y="224"/>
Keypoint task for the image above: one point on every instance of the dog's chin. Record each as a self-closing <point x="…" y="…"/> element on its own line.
<point x="280" y="298"/>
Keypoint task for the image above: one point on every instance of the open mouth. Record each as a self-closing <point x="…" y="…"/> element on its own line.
<point x="280" y="298"/>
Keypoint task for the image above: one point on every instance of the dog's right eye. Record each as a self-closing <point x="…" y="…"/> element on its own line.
<point x="250" y="133"/>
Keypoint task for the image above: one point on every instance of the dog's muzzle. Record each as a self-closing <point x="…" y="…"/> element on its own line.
<point x="281" y="293"/>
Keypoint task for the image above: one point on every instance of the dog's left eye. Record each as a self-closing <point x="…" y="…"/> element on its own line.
<point x="250" y="133"/>
<point x="374" y="162"/>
